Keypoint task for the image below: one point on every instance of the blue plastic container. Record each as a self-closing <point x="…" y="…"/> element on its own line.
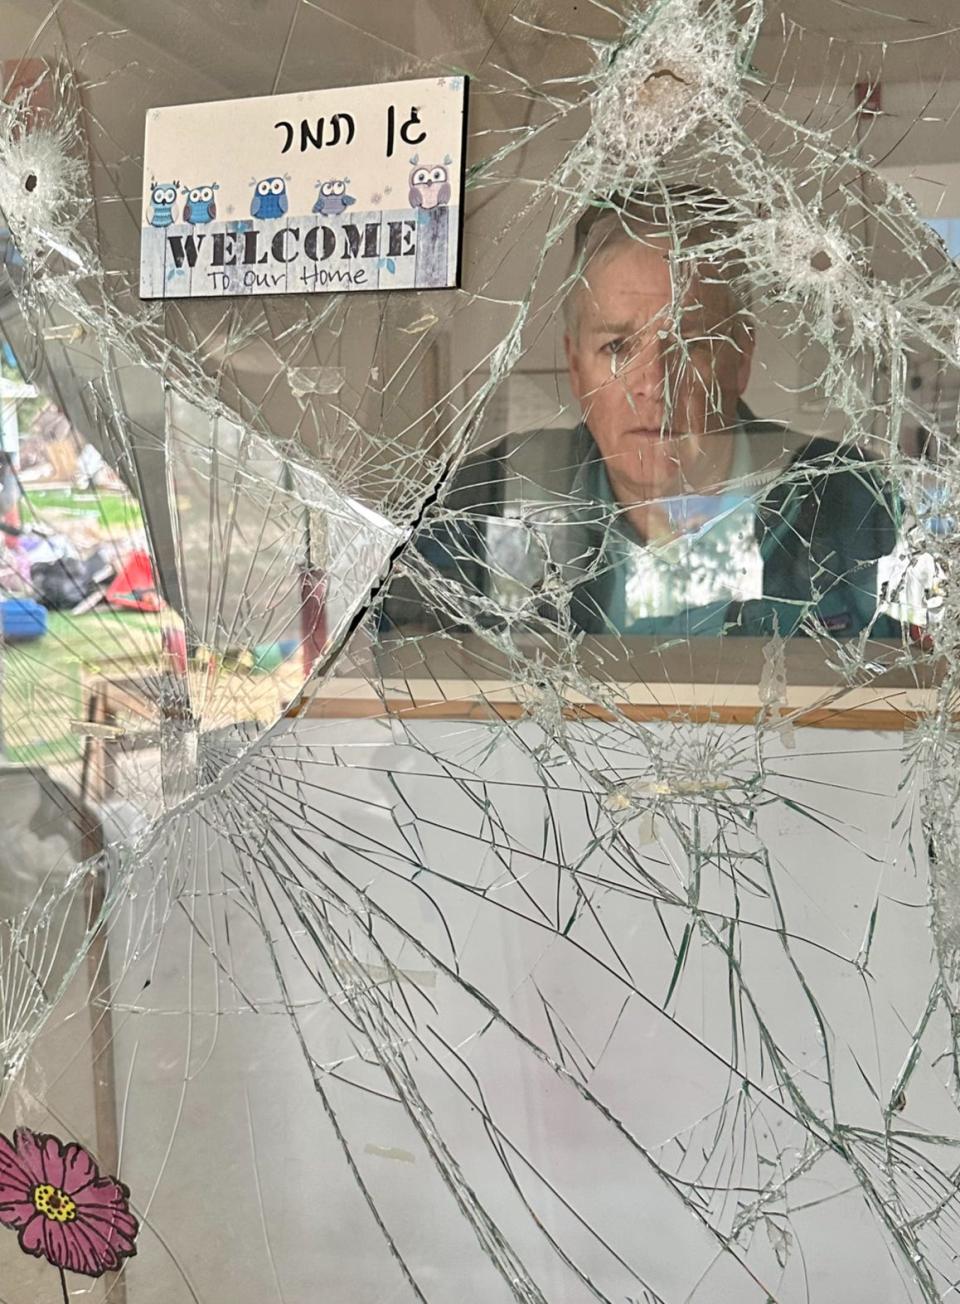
<point x="22" y="619"/>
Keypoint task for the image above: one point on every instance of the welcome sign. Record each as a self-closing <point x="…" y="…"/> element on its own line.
<point x="359" y="188"/>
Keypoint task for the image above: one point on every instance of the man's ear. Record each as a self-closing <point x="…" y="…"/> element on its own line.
<point x="573" y="364"/>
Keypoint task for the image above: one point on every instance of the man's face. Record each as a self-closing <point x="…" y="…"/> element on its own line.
<point x="655" y="383"/>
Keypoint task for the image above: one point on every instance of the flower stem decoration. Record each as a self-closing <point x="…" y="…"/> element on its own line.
<point x="53" y="1195"/>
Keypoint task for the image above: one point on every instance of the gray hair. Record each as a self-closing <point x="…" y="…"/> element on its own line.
<point x="605" y="230"/>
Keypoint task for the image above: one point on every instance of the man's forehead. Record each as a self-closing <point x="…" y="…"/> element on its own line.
<point x="639" y="283"/>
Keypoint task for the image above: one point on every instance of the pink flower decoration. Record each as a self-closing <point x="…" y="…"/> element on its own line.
<point x="65" y="1212"/>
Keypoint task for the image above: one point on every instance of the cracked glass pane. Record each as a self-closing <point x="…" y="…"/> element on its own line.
<point x="479" y="765"/>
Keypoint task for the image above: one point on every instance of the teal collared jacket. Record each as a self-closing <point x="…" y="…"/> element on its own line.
<point x="527" y="512"/>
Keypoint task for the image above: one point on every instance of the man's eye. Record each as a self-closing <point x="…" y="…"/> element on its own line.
<point x="613" y="346"/>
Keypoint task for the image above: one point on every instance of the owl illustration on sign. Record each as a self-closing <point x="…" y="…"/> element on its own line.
<point x="333" y="197"/>
<point x="429" y="185"/>
<point x="270" y="198"/>
<point x="162" y="199"/>
<point x="201" y="205"/>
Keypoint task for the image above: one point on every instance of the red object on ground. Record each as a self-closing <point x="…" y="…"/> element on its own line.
<point x="313" y="615"/>
<point x="868" y="98"/>
<point x="135" y="588"/>
<point x="921" y="638"/>
<point x="175" y="646"/>
<point x="12" y="518"/>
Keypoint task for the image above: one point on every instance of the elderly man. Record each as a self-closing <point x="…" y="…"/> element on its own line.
<point x="669" y="509"/>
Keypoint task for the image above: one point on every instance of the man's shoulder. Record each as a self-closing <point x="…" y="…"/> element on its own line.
<point x="833" y="469"/>
<point x="788" y="455"/>
<point x="823" y="452"/>
<point x="836" y="490"/>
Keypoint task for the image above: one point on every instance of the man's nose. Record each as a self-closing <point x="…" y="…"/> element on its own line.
<point x="644" y="369"/>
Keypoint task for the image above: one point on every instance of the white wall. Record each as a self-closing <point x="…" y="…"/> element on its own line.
<point x="227" y="1141"/>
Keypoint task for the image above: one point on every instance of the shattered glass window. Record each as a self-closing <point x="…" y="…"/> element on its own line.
<point x="478" y="765"/>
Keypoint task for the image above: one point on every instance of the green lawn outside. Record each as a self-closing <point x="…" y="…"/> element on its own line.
<point x="43" y="679"/>
<point x="110" y="508"/>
